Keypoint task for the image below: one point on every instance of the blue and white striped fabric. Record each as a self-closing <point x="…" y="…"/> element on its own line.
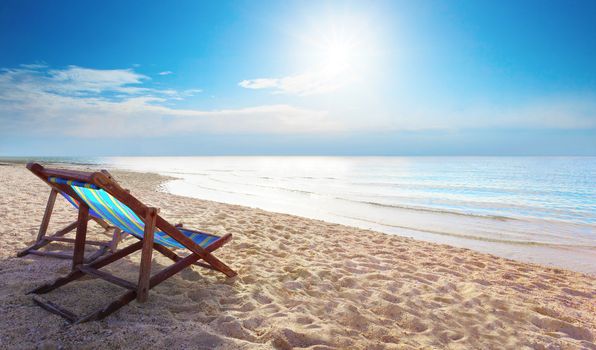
<point x="110" y="209"/>
<point x="71" y="182"/>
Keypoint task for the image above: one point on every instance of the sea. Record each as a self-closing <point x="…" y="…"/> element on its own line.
<point x="532" y="209"/>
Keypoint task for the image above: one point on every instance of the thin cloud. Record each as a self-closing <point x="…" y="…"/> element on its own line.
<point x="167" y="72"/>
<point x="34" y="66"/>
<point x="191" y="92"/>
<point x="263" y="83"/>
<point x="321" y="81"/>
<point x="88" y="102"/>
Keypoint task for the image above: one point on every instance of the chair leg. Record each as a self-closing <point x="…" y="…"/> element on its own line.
<point x="78" y="256"/>
<point x="145" y="268"/>
<point x="43" y="228"/>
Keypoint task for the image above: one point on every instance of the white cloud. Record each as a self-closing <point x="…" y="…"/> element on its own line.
<point x="324" y="80"/>
<point x="191" y="92"/>
<point x="33" y="66"/>
<point x="262" y="83"/>
<point x="80" y="80"/>
<point x="167" y="72"/>
<point x="115" y="103"/>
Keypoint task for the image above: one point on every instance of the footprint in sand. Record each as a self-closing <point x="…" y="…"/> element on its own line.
<point x="577" y="293"/>
<point x="415" y="325"/>
<point x="553" y="325"/>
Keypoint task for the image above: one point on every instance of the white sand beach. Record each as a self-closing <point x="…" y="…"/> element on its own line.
<point x="301" y="284"/>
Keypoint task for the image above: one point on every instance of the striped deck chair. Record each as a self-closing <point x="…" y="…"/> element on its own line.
<point x="43" y="239"/>
<point x="99" y="193"/>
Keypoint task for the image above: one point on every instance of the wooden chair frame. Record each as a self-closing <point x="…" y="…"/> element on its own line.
<point x="152" y="221"/>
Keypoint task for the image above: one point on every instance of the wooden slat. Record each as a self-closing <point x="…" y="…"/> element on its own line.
<point x="38" y="170"/>
<point x="56" y="309"/>
<point x="173" y="269"/>
<point x="110" y="308"/>
<point x="65" y="230"/>
<point x="76" y="175"/>
<point x="107" y="277"/>
<point x="195" y="248"/>
<point x="166" y="252"/>
<point x="212" y="247"/>
<point x="52" y="254"/>
<point x="101" y="251"/>
<point x="108" y="259"/>
<point x="72" y="240"/>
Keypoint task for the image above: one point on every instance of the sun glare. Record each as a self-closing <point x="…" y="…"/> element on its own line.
<point x="338" y="55"/>
<point x="337" y="43"/>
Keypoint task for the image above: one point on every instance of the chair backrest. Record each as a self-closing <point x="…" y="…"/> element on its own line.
<point x="110" y="209"/>
<point x="104" y="206"/>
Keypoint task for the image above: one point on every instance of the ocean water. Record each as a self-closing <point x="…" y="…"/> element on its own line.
<point x="537" y="209"/>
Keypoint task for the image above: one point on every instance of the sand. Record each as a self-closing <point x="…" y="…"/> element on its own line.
<point x="302" y="284"/>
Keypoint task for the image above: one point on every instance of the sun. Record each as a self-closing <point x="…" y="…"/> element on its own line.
<point x="338" y="54"/>
<point x="335" y="48"/>
<point x="340" y="43"/>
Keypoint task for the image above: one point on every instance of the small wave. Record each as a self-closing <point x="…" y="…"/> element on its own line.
<point x="235" y="183"/>
<point x="217" y="189"/>
<point x="285" y="189"/>
<point x="480" y="189"/>
<point x="473" y="237"/>
<point x="431" y="210"/>
<point x="184" y="173"/>
<point x="313" y="177"/>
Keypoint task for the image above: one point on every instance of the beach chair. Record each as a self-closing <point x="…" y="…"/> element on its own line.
<point x="43" y="239"/>
<point x="100" y="193"/>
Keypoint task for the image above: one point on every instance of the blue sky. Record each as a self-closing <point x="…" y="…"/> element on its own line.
<point x="260" y="77"/>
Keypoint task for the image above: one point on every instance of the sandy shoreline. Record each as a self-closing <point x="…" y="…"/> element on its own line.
<point x="302" y="284"/>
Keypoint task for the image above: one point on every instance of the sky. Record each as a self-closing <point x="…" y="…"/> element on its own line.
<point x="109" y="78"/>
